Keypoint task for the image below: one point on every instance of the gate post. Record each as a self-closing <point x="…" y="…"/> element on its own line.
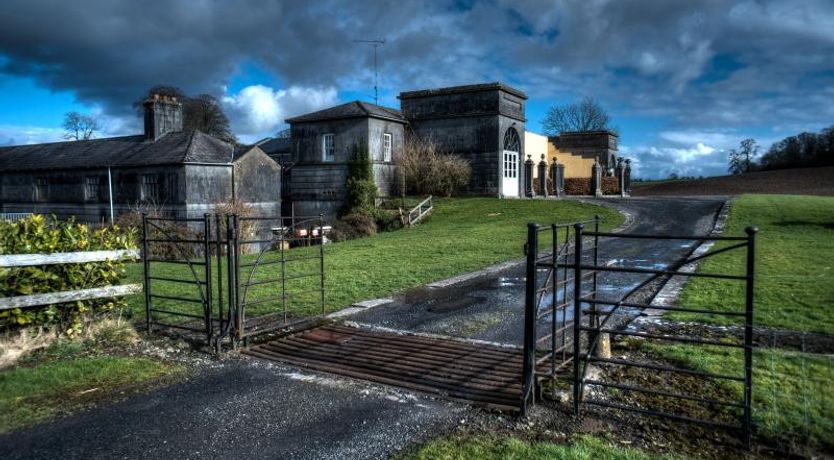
<point x="146" y="263"/>
<point x="528" y="372"/>
<point x="596" y="179"/>
<point x="543" y="177"/>
<point x="577" y="314"/>
<point x="748" y="333"/>
<point x="208" y="283"/>
<point x="528" y="178"/>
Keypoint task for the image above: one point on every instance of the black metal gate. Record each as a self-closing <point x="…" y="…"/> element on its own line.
<point x="574" y="264"/>
<point x="229" y="277"/>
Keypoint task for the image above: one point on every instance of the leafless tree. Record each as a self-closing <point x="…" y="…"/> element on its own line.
<point x="78" y="126"/>
<point x="583" y="116"/>
<point x="749" y="149"/>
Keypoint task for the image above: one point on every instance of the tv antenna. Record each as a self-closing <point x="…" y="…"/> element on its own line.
<point x="376" y="44"/>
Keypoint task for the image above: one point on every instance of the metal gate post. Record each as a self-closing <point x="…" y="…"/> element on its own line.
<point x="208" y="283"/>
<point x="321" y="256"/>
<point x="146" y="263"/>
<point x="577" y="314"/>
<point x="528" y="373"/>
<point x="748" y="333"/>
<point x="221" y="326"/>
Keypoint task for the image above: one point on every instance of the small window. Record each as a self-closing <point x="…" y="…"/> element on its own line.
<point x="41" y="189"/>
<point x="92" y="188"/>
<point x="386" y="147"/>
<point x="150" y="187"/>
<point x="328" y="150"/>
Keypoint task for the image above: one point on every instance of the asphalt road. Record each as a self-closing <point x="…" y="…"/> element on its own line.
<point x="491" y="308"/>
<point x="250" y="409"/>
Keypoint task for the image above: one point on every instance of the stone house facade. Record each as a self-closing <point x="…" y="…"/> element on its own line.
<point x="183" y="174"/>
<point x="322" y="144"/>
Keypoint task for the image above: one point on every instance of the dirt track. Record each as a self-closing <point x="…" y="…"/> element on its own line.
<point x="805" y="181"/>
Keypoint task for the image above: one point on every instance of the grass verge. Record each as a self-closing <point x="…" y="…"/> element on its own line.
<point x="32" y="394"/>
<point x="483" y="448"/>
<point x="792" y="397"/>
<point x="795" y="265"/>
<point x="462" y="235"/>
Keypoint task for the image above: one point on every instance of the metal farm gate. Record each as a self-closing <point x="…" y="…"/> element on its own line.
<point x="229" y="277"/>
<point x="566" y="315"/>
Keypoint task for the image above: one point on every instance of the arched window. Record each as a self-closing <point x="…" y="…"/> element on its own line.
<point x="511" y="140"/>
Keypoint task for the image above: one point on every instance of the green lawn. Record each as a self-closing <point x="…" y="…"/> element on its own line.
<point x="585" y="448"/>
<point x="461" y="236"/>
<point x="795" y="265"/>
<point x="792" y="394"/>
<point x="32" y="394"/>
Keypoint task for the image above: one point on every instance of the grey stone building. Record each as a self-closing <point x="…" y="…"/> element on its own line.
<point x="482" y="123"/>
<point x="180" y="173"/>
<point x="323" y="143"/>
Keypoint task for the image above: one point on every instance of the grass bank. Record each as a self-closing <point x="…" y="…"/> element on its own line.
<point x="795" y="265"/>
<point x="792" y="395"/>
<point x="462" y="235"/>
<point x="32" y="394"/>
<point x="483" y="448"/>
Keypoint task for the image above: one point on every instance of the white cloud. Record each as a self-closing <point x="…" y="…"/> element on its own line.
<point x="19" y="135"/>
<point x="258" y="111"/>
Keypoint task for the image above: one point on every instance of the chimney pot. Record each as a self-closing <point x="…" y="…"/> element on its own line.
<point x="163" y="115"/>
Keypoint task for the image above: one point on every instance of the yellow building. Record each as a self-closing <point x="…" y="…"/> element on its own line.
<point x="577" y="151"/>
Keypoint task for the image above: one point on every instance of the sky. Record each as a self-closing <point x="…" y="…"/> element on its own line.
<point x="683" y="80"/>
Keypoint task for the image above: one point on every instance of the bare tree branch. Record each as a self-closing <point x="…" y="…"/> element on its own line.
<point x="78" y="126"/>
<point x="583" y="116"/>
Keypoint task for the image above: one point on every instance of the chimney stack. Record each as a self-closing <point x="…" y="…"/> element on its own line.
<point x="163" y="115"/>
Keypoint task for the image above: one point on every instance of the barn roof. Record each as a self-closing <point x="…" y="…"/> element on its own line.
<point x="126" y="151"/>
<point x="355" y="109"/>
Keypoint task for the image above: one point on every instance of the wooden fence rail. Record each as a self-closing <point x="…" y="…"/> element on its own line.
<point x="421" y="210"/>
<point x="50" y="298"/>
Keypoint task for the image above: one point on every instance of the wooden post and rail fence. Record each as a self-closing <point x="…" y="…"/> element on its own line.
<point x="50" y="298"/>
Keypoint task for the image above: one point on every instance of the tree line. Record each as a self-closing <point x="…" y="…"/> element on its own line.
<point x="799" y="151"/>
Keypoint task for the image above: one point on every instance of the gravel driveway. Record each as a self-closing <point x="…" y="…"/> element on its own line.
<point x="250" y="409"/>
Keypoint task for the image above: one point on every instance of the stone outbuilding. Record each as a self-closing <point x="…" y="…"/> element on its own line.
<point x="182" y="174"/>
<point x="323" y="143"/>
<point x="482" y="123"/>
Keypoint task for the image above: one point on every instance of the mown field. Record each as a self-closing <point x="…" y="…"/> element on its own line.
<point x="793" y="399"/>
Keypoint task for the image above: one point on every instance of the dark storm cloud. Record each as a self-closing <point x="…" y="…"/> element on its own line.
<point x="694" y="64"/>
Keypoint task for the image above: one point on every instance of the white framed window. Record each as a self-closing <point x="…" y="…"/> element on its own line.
<point x="328" y="150"/>
<point x="510" y="165"/>
<point x="92" y="188"/>
<point x="386" y="147"/>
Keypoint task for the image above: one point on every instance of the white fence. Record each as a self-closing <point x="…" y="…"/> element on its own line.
<point x="50" y="298"/>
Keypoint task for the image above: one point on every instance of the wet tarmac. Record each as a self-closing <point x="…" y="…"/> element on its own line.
<point x="491" y="307"/>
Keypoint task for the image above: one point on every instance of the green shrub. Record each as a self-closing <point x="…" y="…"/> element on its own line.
<point x="361" y="188"/>
<point x="387" y="220"/>
<point x="38" y="234"/>
<point x="353" y="226"/>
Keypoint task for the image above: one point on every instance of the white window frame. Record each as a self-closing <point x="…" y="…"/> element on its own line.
<point x="328" y="148"/>
<point x="387" y="147"/>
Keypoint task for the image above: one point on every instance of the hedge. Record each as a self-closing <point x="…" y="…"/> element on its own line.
<point x="37" y="234"/>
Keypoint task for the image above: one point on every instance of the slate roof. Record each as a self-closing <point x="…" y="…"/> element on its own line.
<point x="462" y="89"/>
<point x="173" y="148"/>
<point x="355" y="109"/>
<point x="276" y="145"/>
